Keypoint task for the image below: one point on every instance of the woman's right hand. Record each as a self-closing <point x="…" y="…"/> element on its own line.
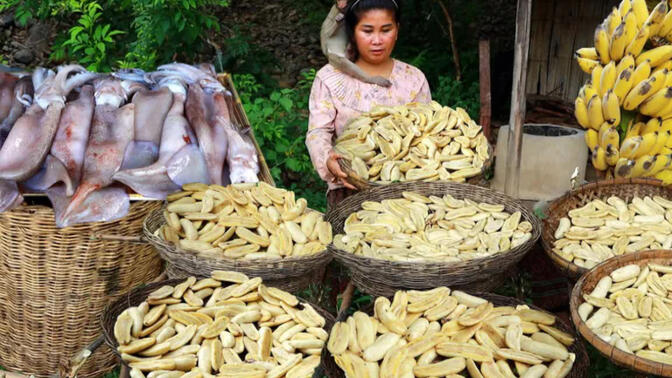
<point x="336" y="171"/>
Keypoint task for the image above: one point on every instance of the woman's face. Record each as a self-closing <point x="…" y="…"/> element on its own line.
<point x="375" y="35"/>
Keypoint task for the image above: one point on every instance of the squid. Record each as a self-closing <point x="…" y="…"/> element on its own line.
<point x="151" y="109"/>
<point x="112" y="130"/>
<point x="212" y="137"/>
<point x="7" y="82"/>
<point x="21" y="99"/>
<point x="10" y="197"/>
<point x="180" y="160"/>
<point x="29" y="141"/>
<point x="65" y="161"/>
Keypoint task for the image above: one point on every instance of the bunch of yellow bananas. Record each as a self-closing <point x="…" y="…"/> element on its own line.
<point x="626" y="106"/>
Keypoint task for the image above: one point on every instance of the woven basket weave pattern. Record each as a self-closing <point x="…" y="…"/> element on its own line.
<point x="587" y="283"/>
<point x="55" y="283"/>
<point x="381" y="277"/>
<point x="626" y="189"/>
<point x="191" y="264"/>
<point x="137" y="295"/>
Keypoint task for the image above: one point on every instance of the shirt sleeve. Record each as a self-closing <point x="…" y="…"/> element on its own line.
<point x="424" y="94"/>
<point x="321" y="128"/>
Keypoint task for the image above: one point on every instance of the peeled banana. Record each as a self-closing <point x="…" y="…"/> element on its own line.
<point x="472" y="338"/>
<point x="602" y="229"/>
<point x="241" y="328"/>
<point x="243" y="221"/>
<point x="419" y="228"/>
<point x="414" y="142"/>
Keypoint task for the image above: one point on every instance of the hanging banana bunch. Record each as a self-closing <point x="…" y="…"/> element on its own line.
<point x="626" y="106"/>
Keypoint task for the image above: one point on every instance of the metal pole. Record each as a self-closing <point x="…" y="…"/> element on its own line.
<point x="517" y="117"/>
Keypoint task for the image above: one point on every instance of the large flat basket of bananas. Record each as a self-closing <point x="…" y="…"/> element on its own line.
<point x="228" y="325"/>
<point x="413" y="142"/>
<point x="256" y="229"/>
<point x="601" y="220"/>
<point x="421" y="235"/>
<point x="622" y="308"/>
<point x="450" y="333"/>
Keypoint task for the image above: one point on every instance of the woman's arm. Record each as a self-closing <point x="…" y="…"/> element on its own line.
<point x="321" y="130"/>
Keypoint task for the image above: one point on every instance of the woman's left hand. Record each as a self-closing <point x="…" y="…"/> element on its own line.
<point x="336" y="171"/>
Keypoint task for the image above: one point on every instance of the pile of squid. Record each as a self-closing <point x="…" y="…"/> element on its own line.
<point x="88" y="139"/>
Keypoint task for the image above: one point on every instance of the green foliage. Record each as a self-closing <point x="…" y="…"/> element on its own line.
<point x="239" y="54"/>
<point x="453" y="93"/>
<point x="280" y="123"/>
<point x="88" y="40"/>
<point x="154" y="31"/>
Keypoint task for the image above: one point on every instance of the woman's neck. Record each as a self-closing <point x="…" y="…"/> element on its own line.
<point x="381" y="69"/>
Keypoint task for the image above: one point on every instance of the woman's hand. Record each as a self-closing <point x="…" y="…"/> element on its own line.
<point x="335" y="169"/>
<point x="341" y="4"/>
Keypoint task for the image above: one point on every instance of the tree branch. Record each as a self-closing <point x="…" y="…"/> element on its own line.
<point x="453" y="44"/>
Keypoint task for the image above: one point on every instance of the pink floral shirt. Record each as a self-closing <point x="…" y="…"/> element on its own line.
<point x="337" y="97"/>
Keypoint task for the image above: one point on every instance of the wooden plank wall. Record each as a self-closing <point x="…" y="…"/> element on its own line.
<point x="558" y="29"/>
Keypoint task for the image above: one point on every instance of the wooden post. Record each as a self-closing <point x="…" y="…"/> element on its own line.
<point x="484" y="84"/>
<point x="517" y="117"/>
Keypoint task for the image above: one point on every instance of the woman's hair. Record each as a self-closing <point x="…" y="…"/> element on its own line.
<point x="357" y="7"/>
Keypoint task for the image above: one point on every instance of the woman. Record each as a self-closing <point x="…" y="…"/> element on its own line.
<point x="373" y="28"/>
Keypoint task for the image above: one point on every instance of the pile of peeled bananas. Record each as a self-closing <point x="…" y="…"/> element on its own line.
<point x="227" y="324"/>
<point x="439" y="333"/>
<point x="628" y="309"/>
<point x="414" y="142"/>
<point x="243" y="221"/>
<point x="416" y="228"/>
<point x="626" y="107"/>
<point x="601" y="230"/>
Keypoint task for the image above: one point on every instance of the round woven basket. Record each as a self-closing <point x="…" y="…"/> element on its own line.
<point x="626" y="189"/>
<point x="55" y="284"/>
<point x="587" y="283"/>
<point x="381" y="277"/>
<point x="580" y="368"/>
<point x="139" y="294"/>
<point x="292" y="274"/>
<point x="362" y="184"/>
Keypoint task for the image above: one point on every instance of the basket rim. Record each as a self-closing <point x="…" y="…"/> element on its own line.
<point x="616" y="355"/>
<point x="143" y="290"/>
<point x="569" y="268"/>
<point x="168" y="251"/>
<point x="527" y="215"/>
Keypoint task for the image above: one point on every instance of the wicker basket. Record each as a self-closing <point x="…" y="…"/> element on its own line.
<point x="626" y="189"/>
<point x="291" y="274"/>
<point x="588" y="282"/>
<point x="55" y="283"/>
<point x="382" y="277"/>
<point x="362" y="184"/>
<point x="580" y="368"/>
<point x="138" y="295"/>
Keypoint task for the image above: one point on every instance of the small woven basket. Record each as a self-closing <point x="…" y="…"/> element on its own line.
<point x="382" y="277"/>
<point x="579" y="370"/>
<point x="55" y="283"/>
<point x="139" y="294"/>
<point x="626" y="189"/>
<point x="291" y="274"/>
<point x="362" y="184"/>
<point x="587" y="283"/>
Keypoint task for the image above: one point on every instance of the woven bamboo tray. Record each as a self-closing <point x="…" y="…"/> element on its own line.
<point x="382" y="277"/>
<point x="139" y="294"/>
<point x="626" y="189"/>
<point x="579" y="370"/>
<point x="292" y="274"/>
<point x="55" y="283"/>
<point x="587" y="283"/>
<point x="362" y="184"/>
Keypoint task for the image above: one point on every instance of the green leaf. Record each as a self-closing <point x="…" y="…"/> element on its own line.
<point x="286" y="103"/>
